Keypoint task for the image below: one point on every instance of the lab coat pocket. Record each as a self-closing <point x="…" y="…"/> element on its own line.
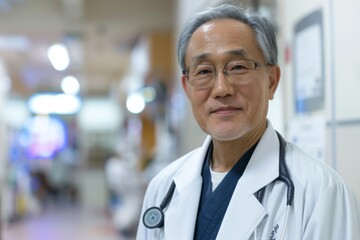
<point x="270" y="228"/>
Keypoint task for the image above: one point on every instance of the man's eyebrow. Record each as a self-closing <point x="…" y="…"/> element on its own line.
<point x="237" y="52"/>
<point x="200" y="57"/>
<point x="205" y="56"/>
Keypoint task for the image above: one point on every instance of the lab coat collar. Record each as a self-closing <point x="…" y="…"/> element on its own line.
<point x="262" y="168"/>
<point x="191" y="171"/>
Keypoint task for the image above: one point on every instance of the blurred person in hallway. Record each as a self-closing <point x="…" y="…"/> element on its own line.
<point x="61" y="177"/>
<point x="245" y="181"/>
<point x="125" y="183"/>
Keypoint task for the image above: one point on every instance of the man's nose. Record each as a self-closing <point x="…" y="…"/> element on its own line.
<point x="222" y="85"/>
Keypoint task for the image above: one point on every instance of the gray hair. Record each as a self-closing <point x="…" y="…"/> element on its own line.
<point x="262" y="27"/>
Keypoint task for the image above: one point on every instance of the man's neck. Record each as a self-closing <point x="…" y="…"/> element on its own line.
<point x="227" y="153"/>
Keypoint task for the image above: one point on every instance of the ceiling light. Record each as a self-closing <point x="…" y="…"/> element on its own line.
<point x="50" y="103"/>
<point x="149" y="94"/>
<point x="70" y="85"/>
<point x="135" y="103"/>
<point x="14" y="42"/>
<point x="59" y="56"/>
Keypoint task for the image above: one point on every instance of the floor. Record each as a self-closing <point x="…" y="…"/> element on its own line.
<point x="63" y="224"/>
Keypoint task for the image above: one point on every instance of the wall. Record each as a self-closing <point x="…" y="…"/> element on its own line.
<point x="347" y="72"/>
<point x="347" y="85"/>
<point x="4" y="89"/>
<point x="92" y="188"/>
<point x="342" y="81"/>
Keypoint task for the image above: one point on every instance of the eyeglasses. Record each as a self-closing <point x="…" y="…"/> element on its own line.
<point x="203" y="75"/>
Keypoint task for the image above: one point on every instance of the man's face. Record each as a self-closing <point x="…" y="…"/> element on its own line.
<point x="225" y="110"/>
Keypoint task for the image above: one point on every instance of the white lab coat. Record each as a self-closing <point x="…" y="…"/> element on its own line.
<point x="324" y="208"/>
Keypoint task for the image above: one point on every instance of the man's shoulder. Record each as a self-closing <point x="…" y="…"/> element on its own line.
<point x="309" y="171"/>
<point x="167" y="174"/>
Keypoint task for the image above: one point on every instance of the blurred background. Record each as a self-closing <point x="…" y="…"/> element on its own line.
<point x="91" y="106"/>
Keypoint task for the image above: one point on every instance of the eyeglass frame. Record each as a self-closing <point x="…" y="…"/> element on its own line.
<point x="225" y="71"/>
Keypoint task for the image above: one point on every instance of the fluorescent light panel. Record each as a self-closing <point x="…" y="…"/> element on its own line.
<point x="51" y="103"/>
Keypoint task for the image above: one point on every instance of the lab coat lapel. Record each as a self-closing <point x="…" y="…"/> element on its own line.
<point x="243" y="215"/>
<point x="245" y="212"/>
<point x="181" y="216"/>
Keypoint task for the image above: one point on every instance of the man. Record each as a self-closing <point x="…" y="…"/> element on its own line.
<point x="245" y="182"/>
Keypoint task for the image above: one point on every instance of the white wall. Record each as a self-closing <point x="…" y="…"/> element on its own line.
<point x="342" y="79"/>
<point x="4" y="88"/>
<point x="92" y="188"/>
<point x="347" y="80"/>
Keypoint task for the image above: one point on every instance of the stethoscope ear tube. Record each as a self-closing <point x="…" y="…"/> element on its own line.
<point x="284" y="175"/>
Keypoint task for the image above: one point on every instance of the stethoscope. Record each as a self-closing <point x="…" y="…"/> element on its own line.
<point x="154" y="216"/>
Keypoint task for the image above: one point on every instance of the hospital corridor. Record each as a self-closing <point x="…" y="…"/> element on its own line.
<point x="96" y="100"/>
<point x="59" y="224"/>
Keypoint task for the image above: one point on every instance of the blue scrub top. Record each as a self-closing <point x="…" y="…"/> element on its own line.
<point x="213" y="204"/>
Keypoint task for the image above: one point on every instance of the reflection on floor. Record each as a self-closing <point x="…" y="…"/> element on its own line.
<point x="63" y="224"/>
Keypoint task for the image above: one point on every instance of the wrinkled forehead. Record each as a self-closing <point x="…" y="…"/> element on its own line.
<point x="222" y="38"/>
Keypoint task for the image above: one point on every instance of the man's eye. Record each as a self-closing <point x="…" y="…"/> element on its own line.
<point x="239" y="67"/>
<point x="203" y="72"/>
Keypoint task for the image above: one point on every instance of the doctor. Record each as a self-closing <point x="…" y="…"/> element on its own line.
<point x="245" y="182"/>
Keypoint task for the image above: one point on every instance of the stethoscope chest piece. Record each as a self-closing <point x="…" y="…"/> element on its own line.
<point x="153" y="218"/>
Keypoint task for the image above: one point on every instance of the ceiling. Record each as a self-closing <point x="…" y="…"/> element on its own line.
<point x="98" y="33"/>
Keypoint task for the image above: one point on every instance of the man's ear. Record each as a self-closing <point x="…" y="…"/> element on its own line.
<point x="274" y="79"/>
<point x="184" y="84"/>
